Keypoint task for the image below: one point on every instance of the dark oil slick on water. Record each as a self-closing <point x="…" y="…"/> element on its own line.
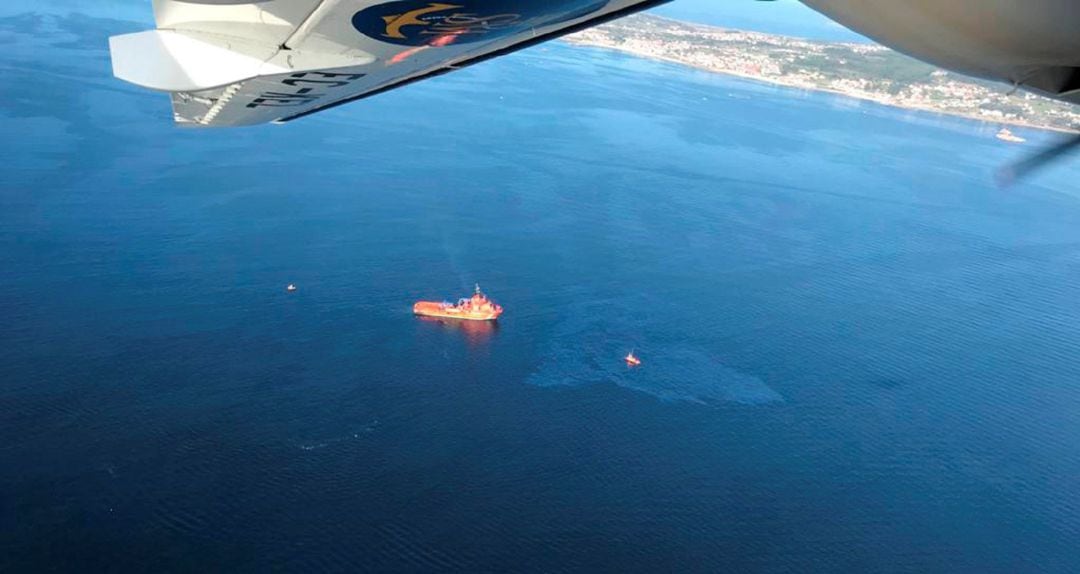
<point x="858" y="354"/>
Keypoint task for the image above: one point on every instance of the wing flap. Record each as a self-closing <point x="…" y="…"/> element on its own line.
<point x="265" y="21"/>
<point x="182" y="62"/>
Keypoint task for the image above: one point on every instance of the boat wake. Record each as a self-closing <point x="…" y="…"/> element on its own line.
<point x="588" y="348"/>
<point x="366" y="430"/>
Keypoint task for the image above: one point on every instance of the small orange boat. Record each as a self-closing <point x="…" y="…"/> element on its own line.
<point x="631" y="360"/>
<point x="475" y="308"/>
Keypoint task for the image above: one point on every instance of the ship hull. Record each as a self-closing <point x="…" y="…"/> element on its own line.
<point x="432" y="309"/>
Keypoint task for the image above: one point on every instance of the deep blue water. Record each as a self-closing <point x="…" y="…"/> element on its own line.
<point x="860" y="356"/>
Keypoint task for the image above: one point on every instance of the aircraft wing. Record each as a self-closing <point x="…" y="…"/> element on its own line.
<point x="246" y="62"/>
<point x="1029" y="44"/>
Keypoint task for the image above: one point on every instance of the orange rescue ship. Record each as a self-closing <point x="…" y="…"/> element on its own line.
<point x="475" y="308"/>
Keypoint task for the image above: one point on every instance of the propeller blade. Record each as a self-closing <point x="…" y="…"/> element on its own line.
<point x="1025" y="167"/>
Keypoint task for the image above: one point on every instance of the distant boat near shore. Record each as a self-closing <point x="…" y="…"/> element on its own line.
<point x="1006" y="135"/>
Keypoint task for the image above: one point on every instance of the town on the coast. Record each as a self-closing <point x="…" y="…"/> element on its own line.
<point x="859" y="70"/>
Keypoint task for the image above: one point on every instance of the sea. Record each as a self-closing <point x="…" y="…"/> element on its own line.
<point x="860" y="354"/>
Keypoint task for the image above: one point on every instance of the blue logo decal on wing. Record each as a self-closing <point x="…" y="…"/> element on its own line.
<point x="422" y="23"/>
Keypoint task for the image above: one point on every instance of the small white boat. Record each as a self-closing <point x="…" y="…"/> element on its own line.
<point x="1006" y="135"/>
<point x="291" y="288"/>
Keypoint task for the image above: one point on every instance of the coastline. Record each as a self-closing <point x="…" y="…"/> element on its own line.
<point x="649" y="52"/>
<point x="824" y="90"/>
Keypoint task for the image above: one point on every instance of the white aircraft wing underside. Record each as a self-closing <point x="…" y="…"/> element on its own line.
<point x="234" y="63"/>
